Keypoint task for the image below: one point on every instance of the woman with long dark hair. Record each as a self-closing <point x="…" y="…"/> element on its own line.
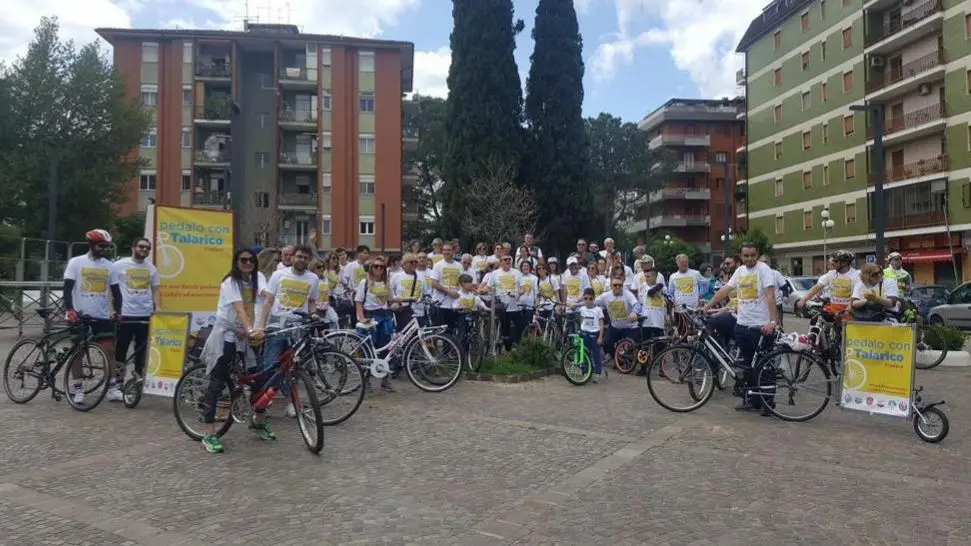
<point x="372" y="298"/>
<point x="235" y="315"/>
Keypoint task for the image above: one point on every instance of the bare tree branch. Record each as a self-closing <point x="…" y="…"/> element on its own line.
<point x="500" y="210"/>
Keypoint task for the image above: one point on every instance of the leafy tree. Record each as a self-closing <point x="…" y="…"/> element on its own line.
<point x="483" y="112"/>
<point x="755" y="235"/>
<point x="70" y="107"/>
<point x="425" y="118"/>
<point x="664" y="253"/>
<point x="126" y="229"/>
<point x="623" y="171"/>
<point x="555" y="163"/>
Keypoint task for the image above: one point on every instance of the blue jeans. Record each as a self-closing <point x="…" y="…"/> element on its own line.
<point x="590" y="340"/>
<point x="384" y="327"/>
<point x="272" y="350"/>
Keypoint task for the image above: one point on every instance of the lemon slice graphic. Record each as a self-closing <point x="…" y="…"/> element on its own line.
<point x="854" y="375"/>
<point x="154" y="362"/>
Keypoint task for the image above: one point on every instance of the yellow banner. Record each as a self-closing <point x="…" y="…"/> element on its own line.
<point x="166" y="353"/>
<point x="878" y="368"/>
<point x="193" y="251"/>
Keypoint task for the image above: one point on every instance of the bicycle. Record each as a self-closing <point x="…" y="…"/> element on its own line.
<point x="576" y="364"/>
<point x="472" y="343"/>
<point x="545" y="326"/>
<point x="244" y="402"/>
<point x="43" y="360"/>
<point x="133" y="387"/>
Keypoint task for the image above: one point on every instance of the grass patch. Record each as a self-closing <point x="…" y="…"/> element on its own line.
<point x="504" y="365"/>
<point x="527" y="357"/>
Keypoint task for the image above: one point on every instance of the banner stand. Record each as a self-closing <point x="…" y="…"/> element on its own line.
<point x="878" y="368"/>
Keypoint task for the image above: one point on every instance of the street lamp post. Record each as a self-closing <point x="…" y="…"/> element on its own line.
<point x="827" y="224"/>
<point x="879" y="172"/>
<point x="727" y="240"/>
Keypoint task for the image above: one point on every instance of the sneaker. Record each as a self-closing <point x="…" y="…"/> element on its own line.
<point x="745" y="407"/>
<point x="210" y="442"/>
<point x="291" y="411"/>
<point x="115" y="395"/>
<point x="78" y="397"/>
<point x="263" y="431"/>
<point x="386" y="385"/>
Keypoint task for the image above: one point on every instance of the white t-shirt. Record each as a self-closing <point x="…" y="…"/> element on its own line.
<point x="840" y="285"/>
<point x="686" y="288"/>
<point x="291" y="292"/>
<point x="406" y="285"/>
<point x="423" y="277"/>
<point x="887" y="290"/>
<point x="353" y="274"/>
<point x="639" y="280"/>
<point x="575" y="285"/>
<point x="653" y="307"/>
<point x="229" y="293"/>
<point x="547" y="292"/>
<point x="753" y="309"/>
<point x="600" y="284"/>
<point x="281" y="265"/>
<point x="91" y="293"/>
<point x="377" y="295"/>
<point x="505" y="285"/>
<point x="590" y="318"/>
<point x="468" y="301"/>
<point x="479" y="264"/>
<point x="527" y="285"/>
<point x="619" y="308"/>
<point x="434" y="258"/>
<point x="135" y="281"/>
<point x="447" y="274"/>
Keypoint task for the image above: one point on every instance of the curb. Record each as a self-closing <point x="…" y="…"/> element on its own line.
<point x="511" y="378"/>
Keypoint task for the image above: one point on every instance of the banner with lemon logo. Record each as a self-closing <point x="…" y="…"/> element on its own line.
<point x="166" y="353"/>
<point x="193" y="251"/>
<point x="878" y="368"/>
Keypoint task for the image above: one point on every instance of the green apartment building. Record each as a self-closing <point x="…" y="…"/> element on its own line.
<point x="806" y="63"/>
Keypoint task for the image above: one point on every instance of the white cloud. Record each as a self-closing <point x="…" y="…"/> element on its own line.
<point x="582" y="6"/>
<point x="701" y="36"/>
<point x="365" y="20"/>
<point x="78" y="19"/>
<point x="431" y="72"/>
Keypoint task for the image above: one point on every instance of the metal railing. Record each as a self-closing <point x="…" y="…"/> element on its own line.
<point x="915" y="169"/>
<point x="211" y="198"/>
<point x="909" y="120"/>
<point x="217" y="156"/>
<point x="905" y="21"/>
<point x="909" y="221"/>
<point x="214" y="109"/>
<point x="214" y="70"/>
<point x="294" y="158"/>
<point x="880" y="80"/>
<point x="297" y="116"/>
<point x="295" y="74"/>
<point x="298" y="199"/>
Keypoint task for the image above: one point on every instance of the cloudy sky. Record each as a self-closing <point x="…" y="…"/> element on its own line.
<point x="638" y="53"/>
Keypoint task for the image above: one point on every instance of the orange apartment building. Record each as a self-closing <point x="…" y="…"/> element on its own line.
<point x="296" y="133"/>
<point x="703" y="135"/>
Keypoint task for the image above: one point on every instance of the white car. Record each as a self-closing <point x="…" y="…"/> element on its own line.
<point x="800" y="285"/>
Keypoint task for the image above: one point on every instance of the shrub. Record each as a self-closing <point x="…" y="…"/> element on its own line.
<point x="528" y="356"/>
<point x="942" y="338"/>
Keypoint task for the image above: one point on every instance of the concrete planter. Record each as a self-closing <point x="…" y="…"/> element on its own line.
<point x="512" y="378"/>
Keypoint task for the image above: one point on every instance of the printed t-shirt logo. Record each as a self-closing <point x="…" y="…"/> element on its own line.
<point x="467" y="303"/>
<point x="359" y="274"/>
<point x="546" y="290"/>
<point x="685" y="285"/>
<point x="293" y="293"/>
<point x="657" y="300"/>
<point x="380" y="292"/>
<point x="450" y="276"/>
<point x="436" y="259"/>
<point x="598" y="286"/>
<point x="733" y="299"/>
<point x="137" y="278"/>
<point x="748" y="287"/>
<point x="507" y="282"/>
<point x="528" y="286"/>
<point x="94" y="280"/>
<point x="842" y="287"/>
<point x="572" y="287"/>
<point x="406" y="285"/>
<point x="324" y="289"/>
<point x="248" y="303"/>
<point x="617" y="310"/>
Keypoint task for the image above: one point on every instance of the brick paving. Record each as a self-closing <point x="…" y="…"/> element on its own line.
<point x="484" y="463"/>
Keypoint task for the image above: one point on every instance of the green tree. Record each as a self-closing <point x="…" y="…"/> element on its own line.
<point x="754" y="235"/>
<point x="555" y="165"/>
<point x="664" y="253"/>
<point x="483" y="112"/>
<point x="126" y="229"/>
<point x="623" y="171"/>
<point x="65" y="106"/>
<point x="425" y="118"/>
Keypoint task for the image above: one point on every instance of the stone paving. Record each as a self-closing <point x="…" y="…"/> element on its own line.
<point x="484" y="463"/>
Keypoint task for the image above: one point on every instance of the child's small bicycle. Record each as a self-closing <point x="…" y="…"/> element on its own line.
<point x="577" y="361"/>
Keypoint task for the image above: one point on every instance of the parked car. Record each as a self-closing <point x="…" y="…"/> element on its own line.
<point x="927" y="297"/>
<point x="957" y="311"/>
<point x="800" y="285"/>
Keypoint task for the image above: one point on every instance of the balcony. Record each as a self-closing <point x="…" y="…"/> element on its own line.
<point x="680" y="140"/>
<point x="301" y="119"/>
<point x="212" y="157"/>
<point x="217" y="199"/>
<point x="898" y="31"/>
<point x="905" y="78"/>
<point x="296" y="77"/>
<point x="692" y="167"/>
<point x="679" y="193"/>
<point x="740" y="77"/>
<point x="914" y="170"/>
<point x="214" y="112"/>
<point x="667" y="220"/>
<point x="911" y="221"/>
<point x="296" y="200"/>
<point x="911" y="125"/>
<point x="298" y="161"/>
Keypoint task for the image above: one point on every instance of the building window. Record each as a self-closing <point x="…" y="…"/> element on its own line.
<point x="807" y="220"/>
<point x="804" y="21"/>
<point x="324" y="54"/>
<point x="325" y="182"/>
<point x="807" y="140"/>
<point x="826" y="175"/>
<point x="805" y="60"/>
<point x="365" y="60"/>
<point x="848" y="125"/>
<point x="186" y="138"/>
<point x="186" y="181"/>
<point x="721" y="157"/>
<point x="266" y="82"/>
<point x="822" y="51"/>
<point x="325" y="225"/>
<point x="187" y="52"/>
<point x="777" y="39"/>
<point x="847" y="37"/>
<point x="825" y="133"/>
<point x="777" y="76"/>
<point x="366" y="144"/>
<point x="822" y="91"/>
<point x="326" y="141"/>
<point x="367" y="102"/>
<point x="807" y="180"/>
<point x="150" y="140"/>
<point x="822" y="10"/>
<point x="778" y="150"/>
<point x="777" y="113"/>
<point x="149" y="96"/>
<point x="968" y="78"/>
<point x="851" y="213"/>
<point x="967" y="25"/>
<point x="849" y="169"/>
<point x="325" y="100"/>
<point x="146" y="181"/>
<point x="366" y="225"/>
<point x="806" y="101"/>
<point x="367" y="185"/>
<point x="186" y="96"/>
<point x="261" y="199"/>
<point x="969" y="138"/>
<point x="780" y="224"/>
<point x="263" y="117"/>
<point x="779" y="187"/>
<point x="847" y="81"/>
<point x="149" y="52"/>
<point x="262" y="160"/>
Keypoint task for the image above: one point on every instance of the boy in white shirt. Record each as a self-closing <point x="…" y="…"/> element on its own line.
<point x="592" y="330"/>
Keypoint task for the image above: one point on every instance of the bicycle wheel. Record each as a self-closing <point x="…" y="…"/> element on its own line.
<point x="577" y="368"/>
<point x="784" y="373"/>
<point x="680" y="368"/>
<point x="188" y="404"/>
<point x="303" y="395"/>
<point x="927" y="358"/>
<point x="340" y="385"/>
<point x="476" y="353"/>
<point x="722" y="377"/>
<point x="23" y="374"/>
<point x="93" y="367"/>
<point x="625" y="356"/>
<point x="925" y="427"/>
<point x="131" y="392"/>
<point x="433" y="364"/>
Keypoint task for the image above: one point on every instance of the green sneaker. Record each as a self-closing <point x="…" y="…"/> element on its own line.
<point x="210" y="443"/>
<point x="263" y="431"/>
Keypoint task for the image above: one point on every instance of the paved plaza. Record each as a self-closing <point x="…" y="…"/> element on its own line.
<point x="534" y="463"/>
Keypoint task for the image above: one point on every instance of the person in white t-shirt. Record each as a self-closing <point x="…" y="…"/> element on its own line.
<point x="608" y="249"/>
<point x="286" y="257"/>
<point x="873" y="292"/>
<point x="598" y="282"/>
<point x="444" y="282"/>
<point x="574" y="282"/>
<point x="324" y="307"/>
<point x="407" y="288"/>
<point x="373" y="298"/>
<point x="654" y="309"/>
<point x="504" y="287"/>
<point x="438" y="251"/>
<point x="782" y="287"/>
<point x="534" y="250"/>
<point x="527" y="297"/>
<point x="839" y="281"/>
<point x="466" y="261"/>
<point x="547" y="291"/>
<point x="480" y="261"/>
<point x="622" y="308"/>
<point x="354" y="272"/>
<point x="592" y="330"/>
<point x="686" y="285"/>
<point x="134" y="285"/>
<point x="756" y="315"/>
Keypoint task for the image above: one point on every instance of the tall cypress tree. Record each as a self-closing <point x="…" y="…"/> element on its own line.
<point x="556" y="156"/>
<point x="483" y="113"/>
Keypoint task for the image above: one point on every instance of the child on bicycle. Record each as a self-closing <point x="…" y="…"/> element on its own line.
<point x="467" y="302"/>
<point x="592" y="330"/>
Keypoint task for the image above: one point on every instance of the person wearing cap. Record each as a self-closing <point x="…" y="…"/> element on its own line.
<point x="896" y="272"/>
<point x="574" y="282"/>
<point x="436" y="255"/>
<point x="554" y="266"/>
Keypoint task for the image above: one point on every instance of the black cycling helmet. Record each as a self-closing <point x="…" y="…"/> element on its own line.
<point x="843" y="257"/>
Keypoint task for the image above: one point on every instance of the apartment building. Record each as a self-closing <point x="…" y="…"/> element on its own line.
<point x="810" y="65"/>
<point x="703" y="136"/>
<point x="298" y="134"/>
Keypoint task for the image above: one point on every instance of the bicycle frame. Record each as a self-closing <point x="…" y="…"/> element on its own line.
<point x="398" y="342"/>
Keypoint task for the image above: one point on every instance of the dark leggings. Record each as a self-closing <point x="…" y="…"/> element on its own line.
<point x="132" y="329"/>
<point x="218" y="378"/>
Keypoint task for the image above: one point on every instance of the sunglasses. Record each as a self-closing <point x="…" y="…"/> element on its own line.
<point x="377" y="266"/>
<point x="245" y="260"/>
<point x="144" y="247"/>
<point x="507" y="259"/>
<point x="588" y="299"/>
<point x="617" y="286"/>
